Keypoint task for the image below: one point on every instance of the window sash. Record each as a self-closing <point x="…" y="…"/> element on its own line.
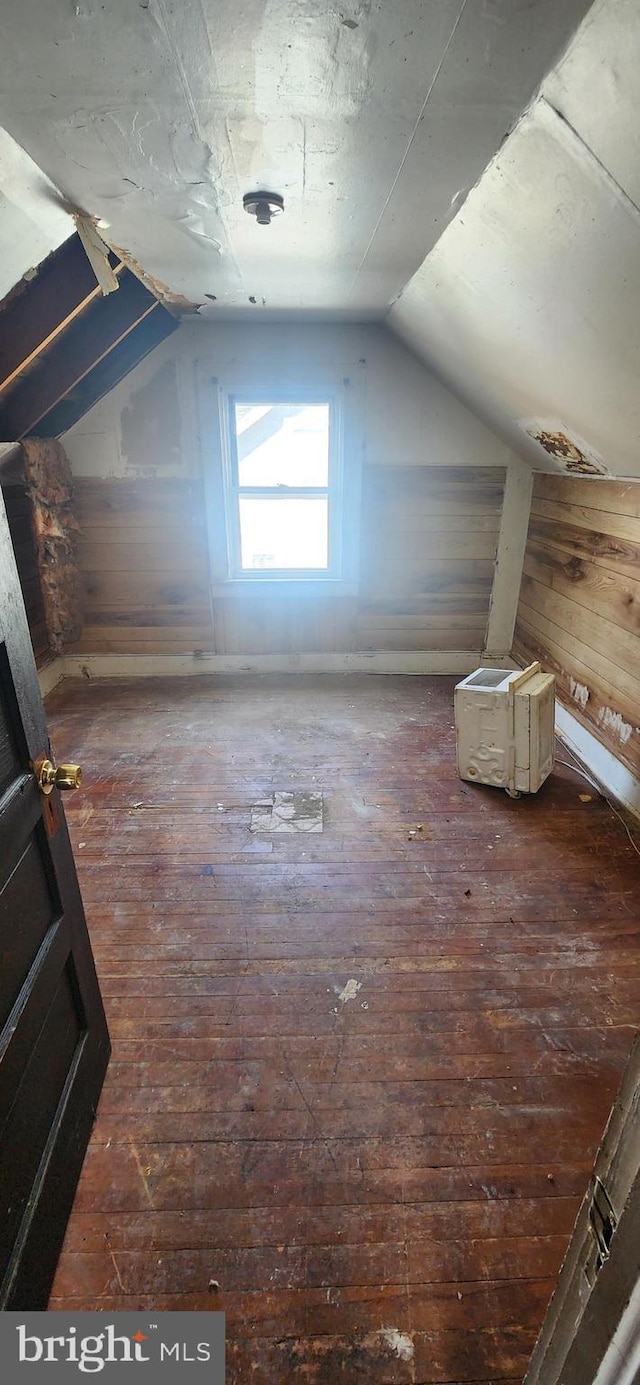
<point x="284" y="533"/>
<point x="330" y="492"/>
<point x="283" y="492"/>
<point x="274" y="400"/>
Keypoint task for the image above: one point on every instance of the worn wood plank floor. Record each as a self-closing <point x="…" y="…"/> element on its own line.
<point x="358" y="1078"/>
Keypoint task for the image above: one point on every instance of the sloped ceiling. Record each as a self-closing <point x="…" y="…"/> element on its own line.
<point x="372" y="117"/>
<point x="529" y="305"/>
<point x="32" y="220"/>
<point x="375" y="121"/>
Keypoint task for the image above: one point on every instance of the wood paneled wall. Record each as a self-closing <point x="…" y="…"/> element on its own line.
<point x="579" y="610"/>
<point x="143" y="555"/>
<point x="290" y="623"/>
<point x="428" y="546"/>
<point x="428" y="538"/>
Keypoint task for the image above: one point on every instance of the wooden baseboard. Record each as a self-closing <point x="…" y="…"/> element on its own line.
<point x="50" y="675"/>
<point x="492" y="660"/>
<point x="448" y="661"/>
<point x="615" y="778"/>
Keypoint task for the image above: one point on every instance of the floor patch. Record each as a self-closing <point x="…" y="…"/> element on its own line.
<point x="288" y="812"/>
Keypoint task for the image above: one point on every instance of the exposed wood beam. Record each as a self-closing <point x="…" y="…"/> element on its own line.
<point x="32" y="321"/>
<point x="137" y="344"/>
<point x="86" y="342"/>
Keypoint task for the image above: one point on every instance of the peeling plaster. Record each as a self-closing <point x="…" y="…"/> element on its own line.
<point x="573" y="453"/>
<point x="614" y="722"/>
<point x="150" y="426"/>
<point x="174" y="302"/>
<point x="579" y="692"/>
<point x="398" y="1342"/>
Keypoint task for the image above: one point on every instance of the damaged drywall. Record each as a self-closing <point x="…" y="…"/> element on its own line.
<point x="410" y="418"/>
<point x="116" y="438"/>
<point x="175" y="303"/>
<point x="150" y="424"/>
<point x="574" y="455"/>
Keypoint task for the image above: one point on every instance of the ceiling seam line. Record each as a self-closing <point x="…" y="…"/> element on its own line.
<point x="409" y="144"/>
<point x="608" y="175"/>
<point x="193" y="111"/>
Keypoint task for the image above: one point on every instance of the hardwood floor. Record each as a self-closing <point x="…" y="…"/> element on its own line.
<point x="358" y="1077"/>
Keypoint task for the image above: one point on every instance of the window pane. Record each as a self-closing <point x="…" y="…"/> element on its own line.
<point x="283" y="533"/>
<point x="282" y="444"/>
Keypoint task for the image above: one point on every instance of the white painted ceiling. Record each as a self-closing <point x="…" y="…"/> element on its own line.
<point x="529" y="305"/>
<point x="31" y="221"/>
<point x="516" y="272"/>
<point x="373" y="118"/>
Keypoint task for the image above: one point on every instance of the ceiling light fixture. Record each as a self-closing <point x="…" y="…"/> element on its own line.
<point x="263" y="205"/>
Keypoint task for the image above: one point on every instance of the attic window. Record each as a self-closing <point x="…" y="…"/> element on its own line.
<point x="282" y="492"/>
<point x="281" y="464"/>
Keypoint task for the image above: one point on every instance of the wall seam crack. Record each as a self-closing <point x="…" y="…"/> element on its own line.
<point x="606" y="172"/>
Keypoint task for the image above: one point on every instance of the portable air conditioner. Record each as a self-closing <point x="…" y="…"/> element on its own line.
<point x="505" y="728"/>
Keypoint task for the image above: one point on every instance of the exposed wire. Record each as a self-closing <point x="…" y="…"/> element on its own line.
<point x="577" y="768"/>
<point x="410" y="142"/>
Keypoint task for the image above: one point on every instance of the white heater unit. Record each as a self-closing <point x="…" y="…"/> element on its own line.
<point x="505" y="728"/>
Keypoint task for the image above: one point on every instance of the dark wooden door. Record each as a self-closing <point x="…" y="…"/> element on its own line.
<point x="590" y="1335"/>
<point x="54" y="1045"/>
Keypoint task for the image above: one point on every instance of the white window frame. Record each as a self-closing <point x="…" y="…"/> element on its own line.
<point x="333" y="491"/>
<point x="346" y="440"/>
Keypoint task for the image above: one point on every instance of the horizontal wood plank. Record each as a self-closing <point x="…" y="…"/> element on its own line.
<point x="593" y="631"/>
<point x="579" y="611"/>
<point x="575" y="650"/>
<point x="143" y="639"/>
<point x="99" y="500"/>
<point x="145" y="567"/>
<point x="464" y="636"/>
<point x="600" y="524"/>
<point x="428" y="547"/>
<point x="587" y="695"/>
<point x="409" y="1158"/>
<point x="614" y="597"/>
<point x="142" y="557"/>
<point x="615" y="497"/>
<point x="285" y="625"/>
<point x="429" y="538"/>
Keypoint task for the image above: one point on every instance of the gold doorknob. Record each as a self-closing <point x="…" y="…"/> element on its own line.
<point x="58" y="776"/>
<point x="68" y="777"/>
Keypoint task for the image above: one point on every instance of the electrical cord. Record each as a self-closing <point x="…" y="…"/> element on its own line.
<point x="577" y="768"/>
